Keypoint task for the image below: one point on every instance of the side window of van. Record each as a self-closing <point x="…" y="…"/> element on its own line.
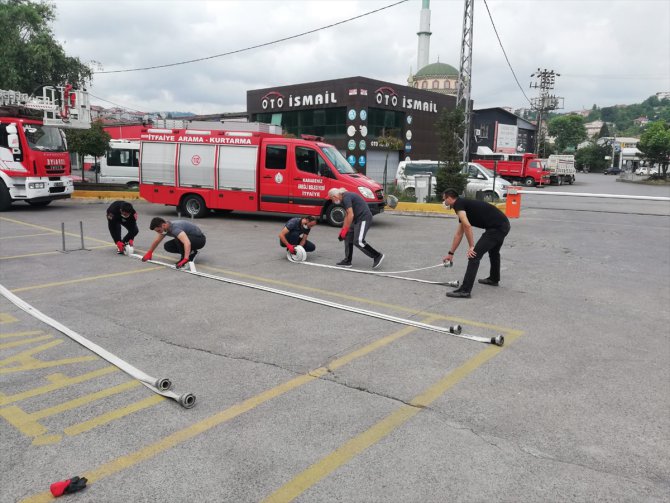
<point x="309" y="161"/>
<point x="275" y="157"/>
<point x="136" y="158"/>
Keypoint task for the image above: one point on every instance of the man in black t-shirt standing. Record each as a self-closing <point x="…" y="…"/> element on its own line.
<point x="470" y="214"/>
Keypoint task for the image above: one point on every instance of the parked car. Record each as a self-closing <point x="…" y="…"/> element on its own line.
<point x="612" y="171"/>
<point x="646" y="170"/>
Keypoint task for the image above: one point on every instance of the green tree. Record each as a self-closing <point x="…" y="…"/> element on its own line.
<point x="592" y="157"/>
<point x="30" y="56"/>
<point x="604" y="131"/>
<point x="93" y="142"/>
<point x="569" y="131"/>
<point x="450" y="127"/>
<point x="655" y="145"/>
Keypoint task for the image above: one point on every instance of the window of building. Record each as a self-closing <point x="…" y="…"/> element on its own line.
<point x="446" y="84"/>
<point x="436" y="84"/>
<point x="385" y="123"/>
<point x="424" y="85"/>
<point x="330" y="123"/>
<point x="275" y="157"/>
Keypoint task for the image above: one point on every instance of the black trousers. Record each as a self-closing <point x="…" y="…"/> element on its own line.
<point x="293" y="237"/>
<point x="356" y="237"/>
<point x="176" y="246"/>
<point x="490" y="242"/>
<point x="114" y="226"/>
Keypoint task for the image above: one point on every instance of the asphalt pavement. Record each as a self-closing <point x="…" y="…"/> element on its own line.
<point x="298" y="401"/>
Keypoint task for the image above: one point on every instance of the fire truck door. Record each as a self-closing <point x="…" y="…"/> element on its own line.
<point x="310" y="181"/>
<point x="274" y="178"/>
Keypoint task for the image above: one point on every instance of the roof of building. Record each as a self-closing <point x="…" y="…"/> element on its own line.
<point x="437" y="70"/>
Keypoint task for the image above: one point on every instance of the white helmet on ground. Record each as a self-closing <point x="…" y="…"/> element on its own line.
<point x="300" y="254"/>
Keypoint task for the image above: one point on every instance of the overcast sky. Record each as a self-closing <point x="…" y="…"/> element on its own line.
<point x="607" y="51"/>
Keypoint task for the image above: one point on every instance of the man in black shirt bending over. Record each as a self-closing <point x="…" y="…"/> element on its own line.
<point x="485" y="216"/>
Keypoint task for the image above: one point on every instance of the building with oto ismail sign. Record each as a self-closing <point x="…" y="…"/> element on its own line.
<point x="353" y="114"/>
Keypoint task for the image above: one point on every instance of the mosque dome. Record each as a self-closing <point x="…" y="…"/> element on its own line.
<point x="437" y="70"/>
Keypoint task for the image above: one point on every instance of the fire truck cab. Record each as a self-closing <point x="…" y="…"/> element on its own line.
<point x="34" y="161"/>
<point x="196" y="171"/>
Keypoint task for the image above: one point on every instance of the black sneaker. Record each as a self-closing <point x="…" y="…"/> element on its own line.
<point x="488" y="281"/>
<point x="378" y="261"/>
<point x="459" y="294"/>
<point x="344" y="263"/>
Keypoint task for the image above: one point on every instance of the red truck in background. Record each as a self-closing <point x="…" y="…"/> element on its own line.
<point x="34" y="161"/>
<point x="199" y="170"/>
<point x="529" y="169"/>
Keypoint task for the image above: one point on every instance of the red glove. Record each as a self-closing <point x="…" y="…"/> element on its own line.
<point x="343" y="233"/>
<point x="181" y="263"/>
<point x="147" y="256"/>
<point x="120" y="246"/>
<point x="291" y="248"/>
<point x="130" y="242"/>
<point x="68" y="486"/>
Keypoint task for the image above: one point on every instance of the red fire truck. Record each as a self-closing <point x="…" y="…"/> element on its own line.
<point x="528" y="170"/>
<point x="34" y="162"/>
<point x="248" y="171"/>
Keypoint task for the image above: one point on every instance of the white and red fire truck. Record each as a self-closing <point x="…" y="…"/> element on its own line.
<point x="248" y="171"/>
<point x="34" y="162"/>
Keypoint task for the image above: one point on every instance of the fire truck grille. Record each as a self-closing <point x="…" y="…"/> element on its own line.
<point x="55" y="170"/>
<point x="379" y="194"/>
<point x="55" y="190"/>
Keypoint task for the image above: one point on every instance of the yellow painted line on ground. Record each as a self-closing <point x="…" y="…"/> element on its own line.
<point x="28" y="422"/>
<point x="14" y="344"/>
<point x="7" y="318"/>
<point x="56" y="231"/>
<point x="10" y="335"/>
<point x="178" y="437"/>
<point x="28" y="235"/>
<point x="50" y="253"/>
<point x="25" y="361"/>
<point x="57" y="381"/>
<point x="76" y="429"/>
<point x="380" y="430"/>
<point x="84" y="279"/>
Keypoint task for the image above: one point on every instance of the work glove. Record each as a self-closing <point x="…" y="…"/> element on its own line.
<point x="120" y="246"/>
<point x="343" y="233"/>
<point x="291" y="248"/>
<point x="147" y="256"/>
<point x="130" y="242"/>
<point x="68" y="486"/>
<point x="181" y="263"/>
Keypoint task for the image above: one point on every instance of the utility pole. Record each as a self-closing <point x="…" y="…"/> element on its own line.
<point x="465" y="78"/>
<point x="545" y="102"/>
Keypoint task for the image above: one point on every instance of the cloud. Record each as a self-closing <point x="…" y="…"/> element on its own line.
<point x="607" y="52"/>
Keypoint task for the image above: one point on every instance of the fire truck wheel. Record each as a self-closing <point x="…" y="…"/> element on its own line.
<point x="5" y="200"/>
<point x="39" y="203"/>
<point x="335" y="215"/>
<point x="529" y="182"/>
<point x="194" y="205"/>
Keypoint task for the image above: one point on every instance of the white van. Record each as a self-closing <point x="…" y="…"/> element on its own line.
<point x="121" y="163"/>
<point x="480" y="179"/>
<point x="481" y="185"/>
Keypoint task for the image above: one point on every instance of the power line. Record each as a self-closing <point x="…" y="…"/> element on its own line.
<point x="504" y="53"/>
<point x="120" y="106"/>
<point x="254" y="46"/>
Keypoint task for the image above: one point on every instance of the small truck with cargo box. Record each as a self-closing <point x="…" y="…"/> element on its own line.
<point x="201" y="170"/>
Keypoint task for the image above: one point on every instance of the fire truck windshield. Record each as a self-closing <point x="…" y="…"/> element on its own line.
<point x="44" y="138"/>
<point x="338" y="160"/>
